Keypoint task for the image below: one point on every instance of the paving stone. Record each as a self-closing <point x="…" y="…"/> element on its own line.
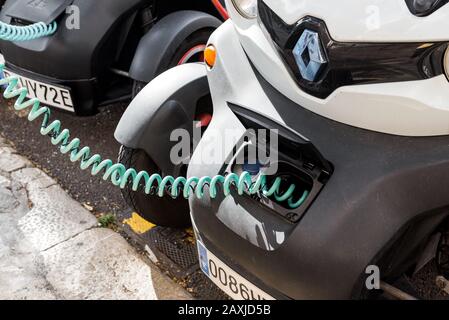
<point x="100" y="264"/>
<point x="9" y="161"/>
<point x="51" y="247"/>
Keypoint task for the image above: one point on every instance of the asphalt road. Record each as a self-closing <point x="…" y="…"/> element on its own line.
<point x="96" y="132"/>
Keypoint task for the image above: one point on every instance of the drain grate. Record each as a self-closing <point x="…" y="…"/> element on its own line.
<point x="203" y="288"/>
<point x="173" y="245"/>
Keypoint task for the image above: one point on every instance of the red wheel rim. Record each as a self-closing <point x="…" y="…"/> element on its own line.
<point x="199" y="49"/>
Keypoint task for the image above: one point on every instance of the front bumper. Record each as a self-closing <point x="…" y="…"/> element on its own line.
<point x="382" y="184"/>
<point x="83" y="92"/>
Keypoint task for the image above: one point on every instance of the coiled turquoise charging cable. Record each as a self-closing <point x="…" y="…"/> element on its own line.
<point x="120" y="175"/>
<point x="117" y="173"/>
<point x="26" y="33"/>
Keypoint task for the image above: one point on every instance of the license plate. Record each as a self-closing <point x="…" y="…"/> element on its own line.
<point x="232" y="283"/>
<point x="48" y="94"/>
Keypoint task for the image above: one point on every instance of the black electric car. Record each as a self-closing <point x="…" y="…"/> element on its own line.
<point x="104" y="51"/>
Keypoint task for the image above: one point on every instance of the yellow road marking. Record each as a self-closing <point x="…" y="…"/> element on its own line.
<point x="138" y="224"/>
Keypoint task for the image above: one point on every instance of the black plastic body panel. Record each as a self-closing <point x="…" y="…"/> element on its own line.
<point x="381" y="185"/>
<point x="109" y="36"/>
<point x="37" y="11"/>
<point x="83" y="92"/>
<point x="73" y="54"/>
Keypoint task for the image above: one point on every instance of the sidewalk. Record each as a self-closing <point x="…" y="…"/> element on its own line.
<point x="52" y="248"/>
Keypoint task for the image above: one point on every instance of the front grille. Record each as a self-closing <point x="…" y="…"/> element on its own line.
<point x="351" y="63"/>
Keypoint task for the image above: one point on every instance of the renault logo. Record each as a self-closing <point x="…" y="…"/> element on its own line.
<point x="309" y="55"/>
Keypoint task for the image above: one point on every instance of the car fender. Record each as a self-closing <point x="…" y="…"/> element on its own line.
<point x="158" y="46"/>
<point x="167" y="103"/>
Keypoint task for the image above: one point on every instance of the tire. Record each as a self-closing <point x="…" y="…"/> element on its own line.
<point x="195" y="40"/>
<point x="165" y="211"/>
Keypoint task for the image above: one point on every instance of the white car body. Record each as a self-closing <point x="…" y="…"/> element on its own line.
<point x="410" y="108"/>
<point x="382" y="176"/>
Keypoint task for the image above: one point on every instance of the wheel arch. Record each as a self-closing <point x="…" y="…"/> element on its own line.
<point x="160" y="43"/>
<point x="167" y="103"/>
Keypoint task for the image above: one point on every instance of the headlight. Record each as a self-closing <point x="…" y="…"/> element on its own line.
<point x="247" y="8"/>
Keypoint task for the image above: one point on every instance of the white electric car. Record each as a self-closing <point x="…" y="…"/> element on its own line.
<point x="358" y="92"/>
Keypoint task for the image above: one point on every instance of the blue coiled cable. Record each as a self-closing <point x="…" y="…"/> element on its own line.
<point x="25" y="33"/>
<point x="120" y="176"/>
<point x="117" y="173"/>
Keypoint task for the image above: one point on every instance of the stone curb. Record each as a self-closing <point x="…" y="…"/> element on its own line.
<point x="52" y="248"/>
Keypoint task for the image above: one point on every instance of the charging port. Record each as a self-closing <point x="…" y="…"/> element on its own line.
<point x="292" y="160"/>
<point x="289" y="176"/>
<point x="304" y="177"/>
